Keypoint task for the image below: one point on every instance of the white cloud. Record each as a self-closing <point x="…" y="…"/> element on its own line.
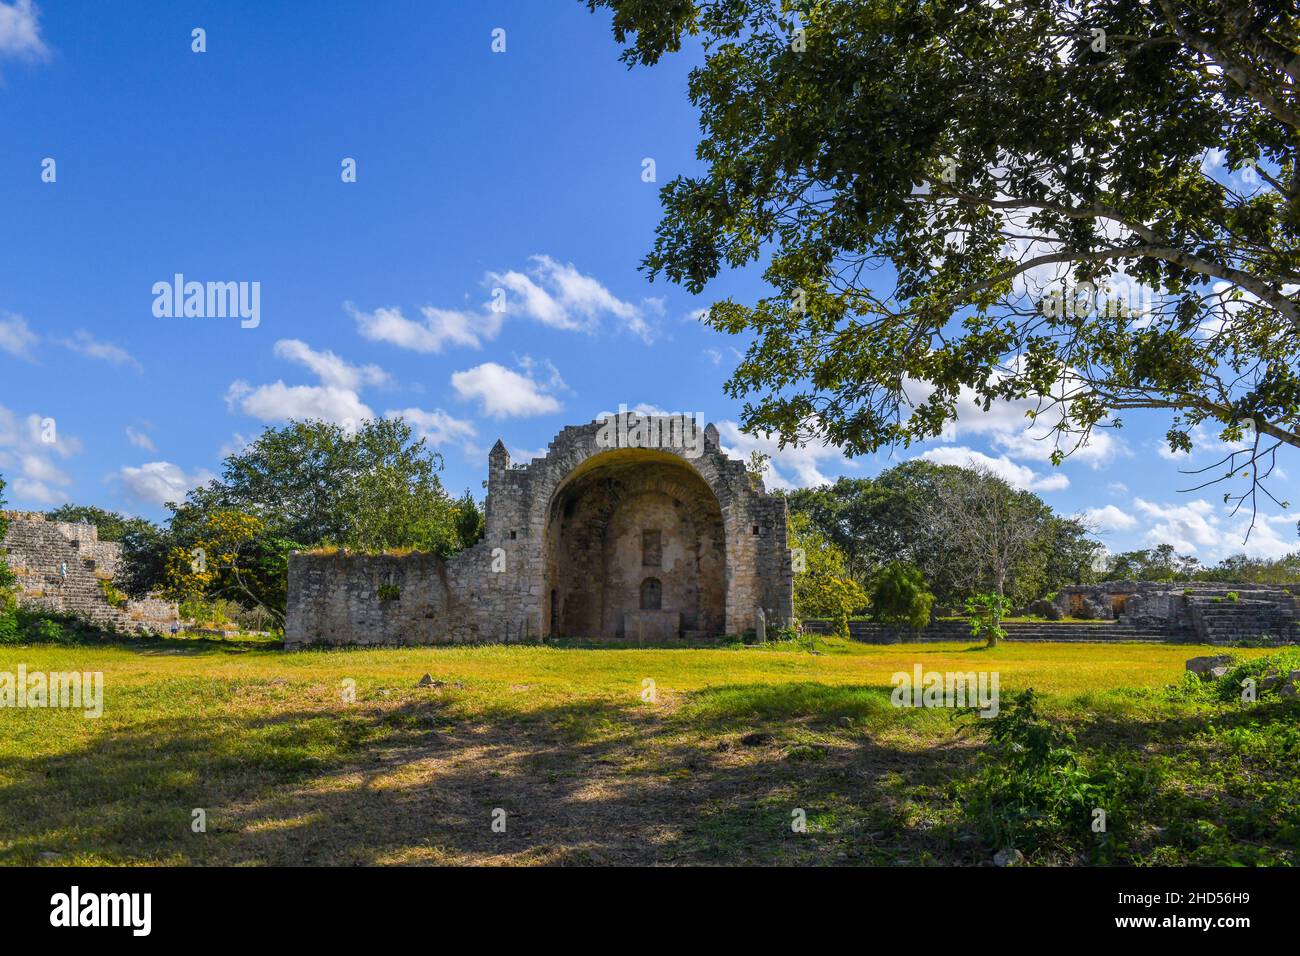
<point x="329" y="368"/>
<point x="38" y="492"/>
<point x="29" y="448"/>
<point x="20" y="34"/>
<point x="41" y="469"/>
<point x="16" y="336"/>
<point x="139" y="439"/>
<point x="1203" y="440"/>
<point x="1198" y="527"/>
<point x="334" y="400"/>
<point x="237" y="445"/>
<point x="1212" y="160"/>
<point x="1109" y="518"/>
<point x="550" y="292"/>
<point x="279" y="402"/>
<point x="441" y="327"/>
<point x="1117" y="488"/>
<point x="528" y="454"/>
<point x="558" y="295"/>
<point x="158" y="482"/>
<point x="437" y="427"/>
<point x="1018" y="476"/>
<point x="788" y="467"/>
<point x="503" y="393"/>
<point x="83" y="343"/>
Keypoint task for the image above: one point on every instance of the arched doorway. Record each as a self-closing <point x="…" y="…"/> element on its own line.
<point x="635" y="549"/>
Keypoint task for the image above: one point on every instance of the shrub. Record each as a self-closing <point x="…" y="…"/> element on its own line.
<point x="209" y="612"/>
<point x="114" y="597"/>
<point x="899" y="596"/>
<point x="256" y="619"/>
<point x="46" y="630"/>
<point x="1228" y="687"/>
<point x="9" y="633"/>
<point x="1234" y="597"/>
<point x="390" y="592"/>
<point x="1038" y="792"/>
<point x="986" y="612"/>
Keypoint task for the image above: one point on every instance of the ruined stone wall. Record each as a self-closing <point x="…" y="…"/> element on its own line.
<point x="1211" y="611"/>
<point x="348" y="598"/>
<point x="59" y="566"/>
<point x="569" y="524"/>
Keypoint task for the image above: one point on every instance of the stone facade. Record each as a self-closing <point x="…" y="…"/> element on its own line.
<point x="1206" y="611"/>
<point x="59" y="566"/>
<point x="609" y="537"/>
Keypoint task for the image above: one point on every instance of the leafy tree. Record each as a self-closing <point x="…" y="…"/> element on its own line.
<point x="853" y="514"/>
<point x="469" y="521"/>
<point x="899" y="596"/>
<point x="985" y="612"/>
<point x="1161" y="563"/>
<point x="232" y="556"/>
<point x="904" y="514"/>
<point x="823" y="587"/>
<point x="920" y="178"/>
<point x="757" y="467"/>
<point x="304" y="485"/>
<point x="111" y="525"/>
<point x="994" y="526"/>
<point x="372" y="488"/>
<point x="143" y="568"/>
<point x="1246" y="570"/>
<point x="1068" y="555"/>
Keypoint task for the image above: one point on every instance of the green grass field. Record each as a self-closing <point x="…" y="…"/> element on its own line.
<point x="587" y="770"/>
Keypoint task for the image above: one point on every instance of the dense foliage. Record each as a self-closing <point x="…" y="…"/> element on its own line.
<point x="823" y="587"/>
<point x="954" y="200"/>
<point x="305" y="485"/>
<point x="950" y="523"/>
<point x="899" y="596"/>
<point x="1164" y="563"/>
<point x="8" y="619"/>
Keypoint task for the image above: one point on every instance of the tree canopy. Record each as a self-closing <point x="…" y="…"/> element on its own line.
<point x="954" y="200"/>
<point x="956" y="525"/>
<point x="307" y="484"/>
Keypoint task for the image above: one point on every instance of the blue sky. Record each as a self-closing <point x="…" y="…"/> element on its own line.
<point x="475" y="171"/>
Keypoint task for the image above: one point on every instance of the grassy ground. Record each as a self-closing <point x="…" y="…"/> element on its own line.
<point x="587" y="770"/>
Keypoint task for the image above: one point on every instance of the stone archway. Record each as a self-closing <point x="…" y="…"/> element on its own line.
<point x="635" y="549"/>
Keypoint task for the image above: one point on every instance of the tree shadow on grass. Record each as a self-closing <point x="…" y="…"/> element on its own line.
<point x="408" y="781"/>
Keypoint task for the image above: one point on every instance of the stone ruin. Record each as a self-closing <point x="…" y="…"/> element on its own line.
<point x="59" y="566"/>
<point x="634" y="529"/>
<point x="1203" y="611"/>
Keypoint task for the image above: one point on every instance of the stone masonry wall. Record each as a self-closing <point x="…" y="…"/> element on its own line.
<point x="1211" y="612"/>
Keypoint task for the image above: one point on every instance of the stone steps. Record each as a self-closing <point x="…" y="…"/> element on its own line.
<point x="36" y="550"/>
<point x="1258" y="612"/>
